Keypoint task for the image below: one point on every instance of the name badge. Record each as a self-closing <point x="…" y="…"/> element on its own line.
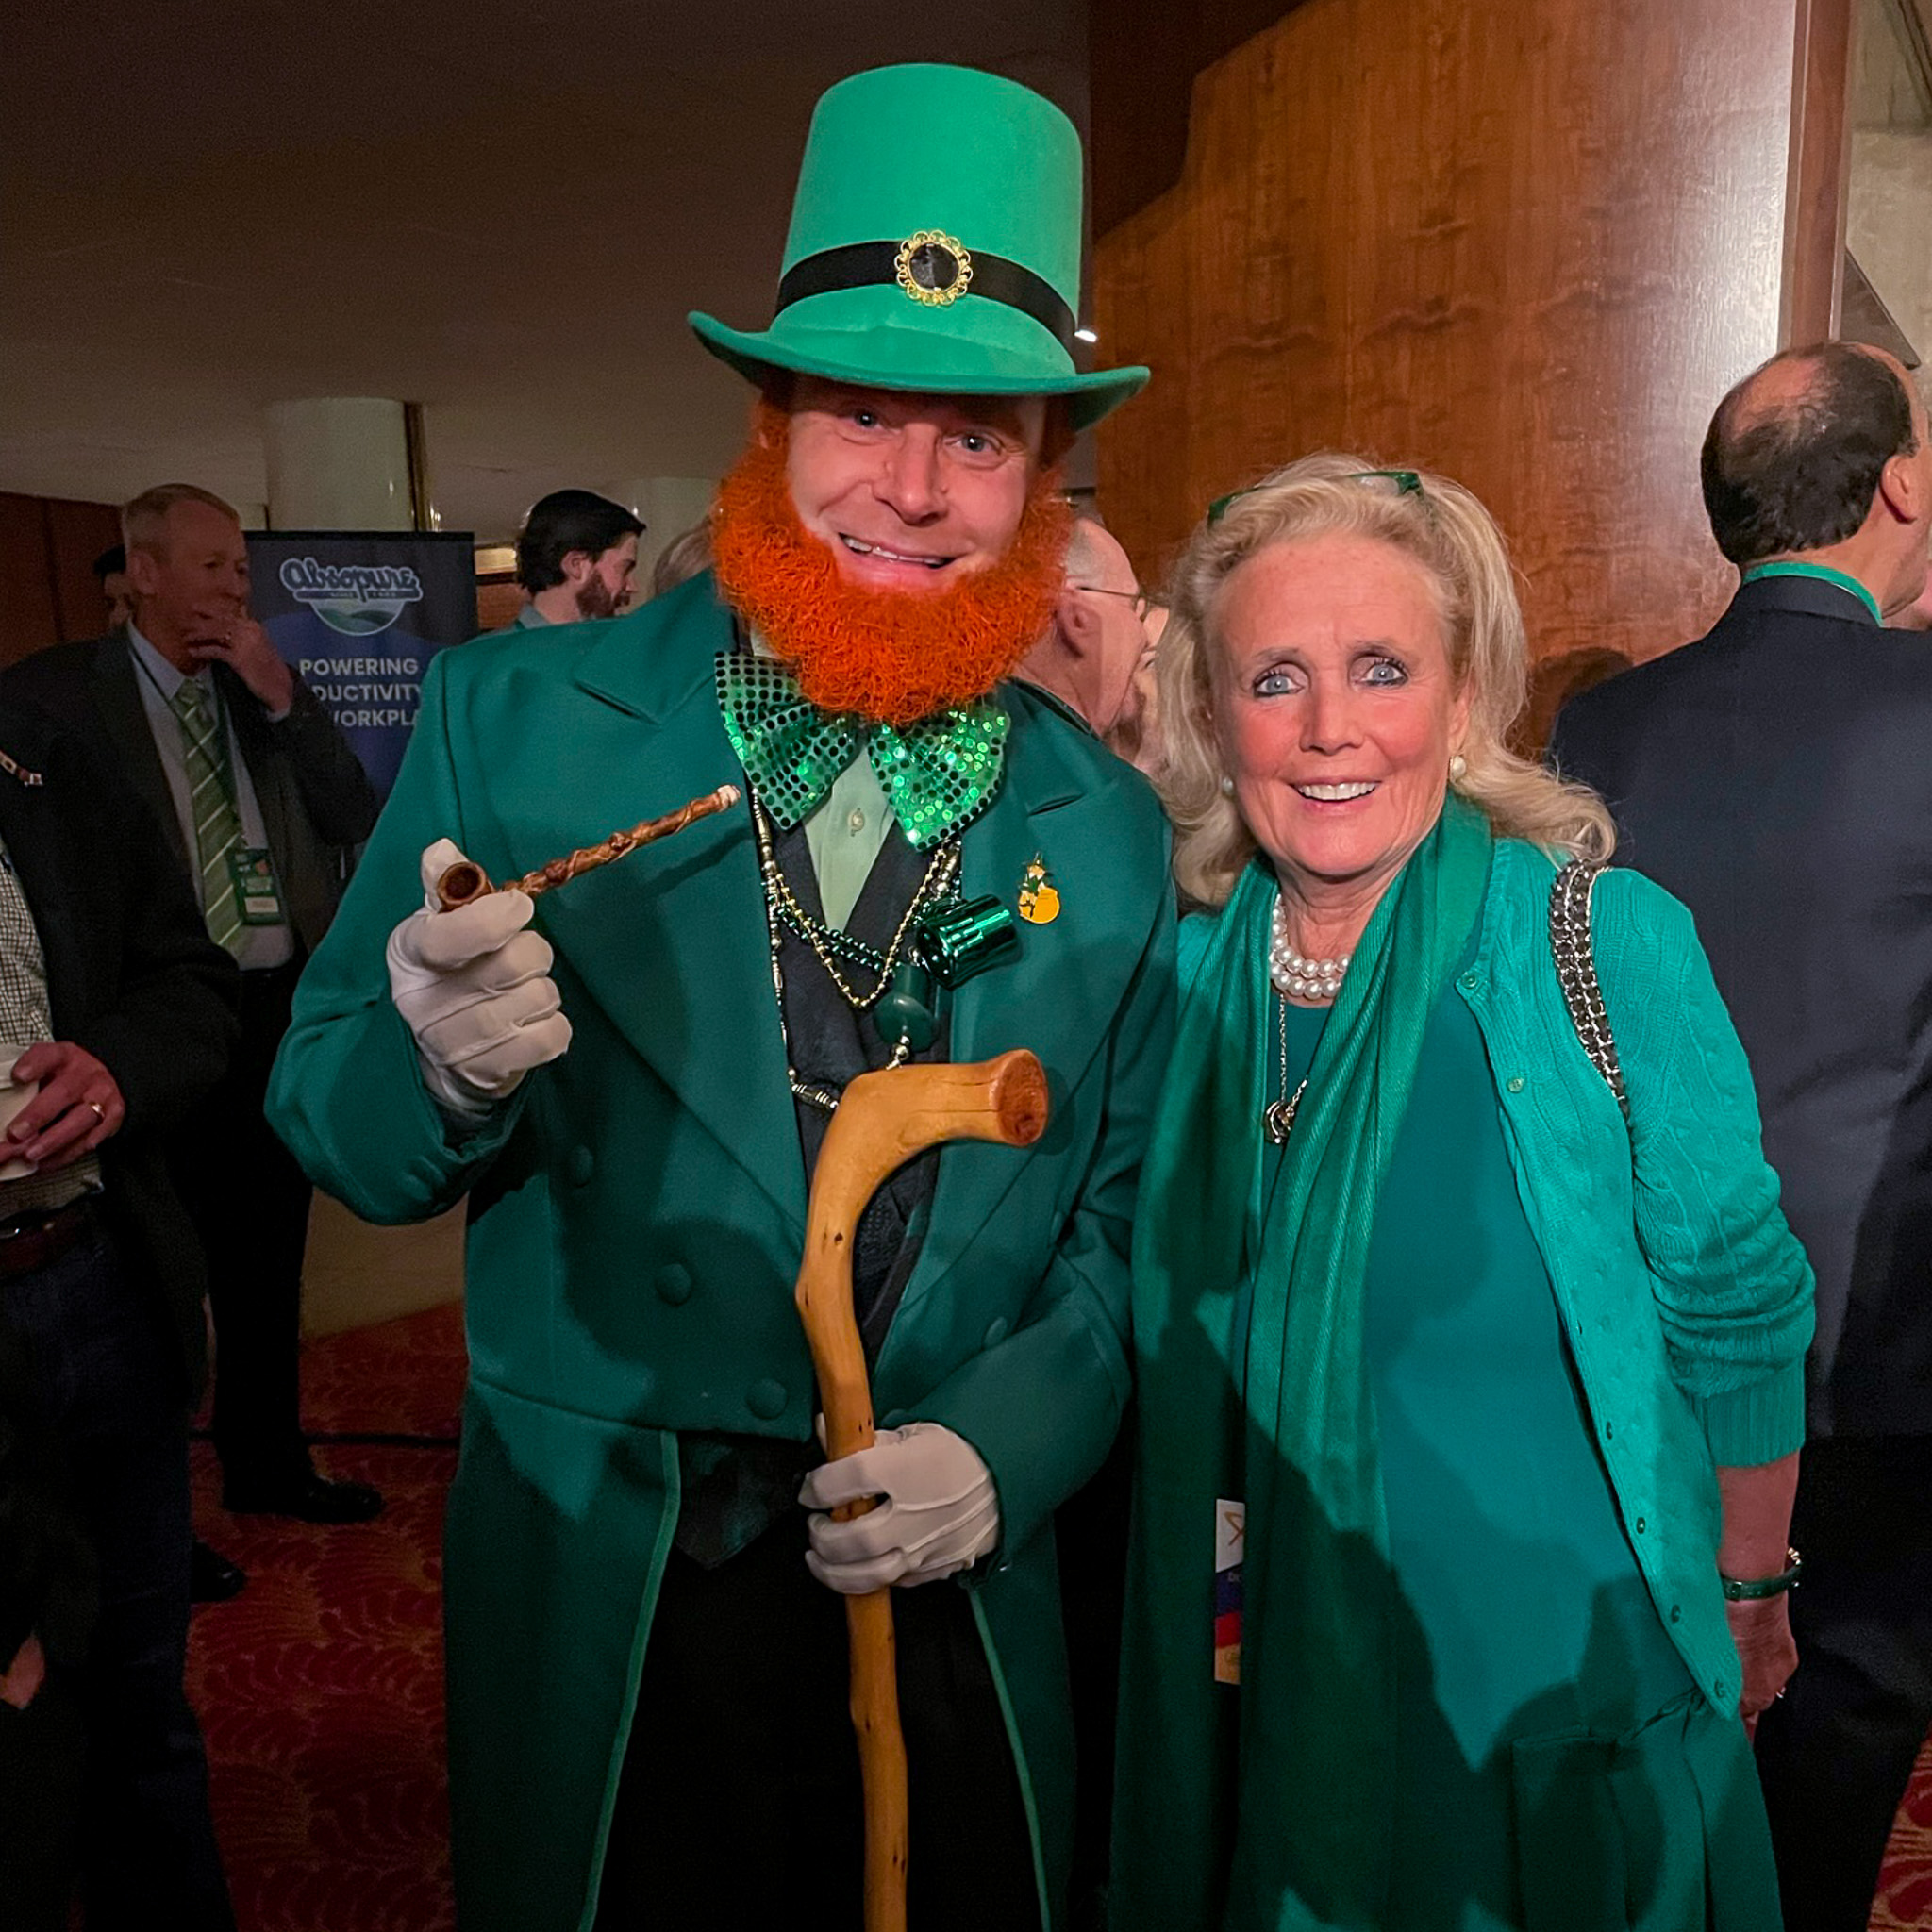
<point x="1230" y="1536"/>
<point x="256" y="894"/>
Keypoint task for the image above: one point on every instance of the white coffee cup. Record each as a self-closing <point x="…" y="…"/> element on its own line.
<point x="14" y="1096"/>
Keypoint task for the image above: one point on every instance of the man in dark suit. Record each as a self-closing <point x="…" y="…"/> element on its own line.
<point x="1777" y="777"/>
<point x="117" y="1015"/>
<point x="259" y="794"/>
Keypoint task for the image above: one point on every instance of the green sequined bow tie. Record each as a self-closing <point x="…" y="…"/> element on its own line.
<point x="938" y="775"/>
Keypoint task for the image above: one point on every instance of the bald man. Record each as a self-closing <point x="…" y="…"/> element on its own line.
<point x="1098" y="640"/>
<point x="1775" y="776"/>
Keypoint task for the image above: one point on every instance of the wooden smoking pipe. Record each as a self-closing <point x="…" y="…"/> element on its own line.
<point x="466" y="881"/>
<point x="886" y="1119"/>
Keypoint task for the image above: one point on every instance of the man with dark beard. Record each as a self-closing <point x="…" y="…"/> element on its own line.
<point x="576" y="555"/>
<point x="646" y="1637"/>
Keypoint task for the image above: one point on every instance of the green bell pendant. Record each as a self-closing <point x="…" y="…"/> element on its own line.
<point x="904" y="1010"/>
<point x="960" y="940"/>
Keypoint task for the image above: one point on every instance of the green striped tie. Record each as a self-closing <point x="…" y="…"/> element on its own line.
<point x="217" y="823"/>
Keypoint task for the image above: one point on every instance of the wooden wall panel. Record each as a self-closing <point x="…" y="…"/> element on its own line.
<point x="1528" y="243"/>
<point x="1141" y="58"/>
<point x="48" y="591"/>
<point x="1819" y="175"/>
<point x="29" y="617"/>
<point x="76" y="534"/>
<point x="497" y="604"/>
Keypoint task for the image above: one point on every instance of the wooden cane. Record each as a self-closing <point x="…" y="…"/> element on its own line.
<point x="883" y="1121"/>
<point x="466" y="881"/>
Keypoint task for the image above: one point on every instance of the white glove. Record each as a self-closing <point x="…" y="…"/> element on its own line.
<point x="475" y="989"/>
<point x="941" y="1512"/>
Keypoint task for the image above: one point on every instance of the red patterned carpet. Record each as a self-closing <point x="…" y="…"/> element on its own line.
<point x="1904" y="1896"/>
<point x="320" y="1687"/>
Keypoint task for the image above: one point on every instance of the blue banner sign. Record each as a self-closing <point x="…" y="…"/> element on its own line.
<point x="360" y="614"/>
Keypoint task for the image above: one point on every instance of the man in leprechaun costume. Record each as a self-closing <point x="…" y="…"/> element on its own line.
<point x="631" y="1077"/>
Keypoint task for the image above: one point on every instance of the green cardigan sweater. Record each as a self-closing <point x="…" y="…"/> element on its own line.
<point x="1686" y="1298"/>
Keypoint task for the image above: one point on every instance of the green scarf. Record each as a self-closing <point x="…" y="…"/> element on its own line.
<point x="1262" y="1803"/>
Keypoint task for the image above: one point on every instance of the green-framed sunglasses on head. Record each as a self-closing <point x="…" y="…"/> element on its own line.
<point x="1406" y="483"/>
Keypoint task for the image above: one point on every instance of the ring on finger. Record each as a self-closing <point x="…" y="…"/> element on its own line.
<point x="100" y="1111"/>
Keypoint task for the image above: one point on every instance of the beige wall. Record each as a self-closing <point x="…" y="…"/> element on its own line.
<point x="1889" y="224"/>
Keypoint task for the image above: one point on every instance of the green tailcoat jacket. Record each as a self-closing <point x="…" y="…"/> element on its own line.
<point x="637" y="1209"/>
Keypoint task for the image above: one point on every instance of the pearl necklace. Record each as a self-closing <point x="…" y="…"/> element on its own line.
<point x="1295" y="977"/>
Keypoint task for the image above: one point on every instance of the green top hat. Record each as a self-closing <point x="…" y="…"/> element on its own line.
<point x="935" y="246"/>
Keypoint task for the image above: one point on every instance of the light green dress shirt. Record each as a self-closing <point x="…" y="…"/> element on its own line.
<point x="845" y="832"/>
<point x="844" y="835"/>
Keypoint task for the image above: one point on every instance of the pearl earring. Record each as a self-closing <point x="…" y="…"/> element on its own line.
<point x="1459" y="768"/>
<point x="1228" y="788"/>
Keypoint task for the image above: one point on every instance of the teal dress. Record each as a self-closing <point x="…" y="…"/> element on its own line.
<point x="1555" y="1760"/>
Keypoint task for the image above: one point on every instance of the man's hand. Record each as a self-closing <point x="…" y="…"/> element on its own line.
<point x="941" y="1512"/>
<point x="22" y="1679"/>
<point x="1762" y="1632"/>
<point x="78" y="1105"/>
<point x="242" y="645"/>
<point x="474" y="986"/>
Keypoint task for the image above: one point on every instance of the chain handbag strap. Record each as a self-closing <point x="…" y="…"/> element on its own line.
<point x="1583" y="993"/>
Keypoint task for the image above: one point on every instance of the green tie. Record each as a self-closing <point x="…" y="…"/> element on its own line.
<point x="217" y="823"/>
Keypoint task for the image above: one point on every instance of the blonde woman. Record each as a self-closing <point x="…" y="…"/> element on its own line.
<point x="1469" y="1404"/>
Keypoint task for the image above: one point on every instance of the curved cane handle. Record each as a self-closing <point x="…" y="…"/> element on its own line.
<point x="884" y="1119"/>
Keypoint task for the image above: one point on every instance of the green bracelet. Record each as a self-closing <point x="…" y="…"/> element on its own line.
<point x="1757" y="1588"/>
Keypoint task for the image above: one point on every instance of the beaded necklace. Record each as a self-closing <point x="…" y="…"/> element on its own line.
<point x="1292" y="976"/>
<point x="830" y="945"/>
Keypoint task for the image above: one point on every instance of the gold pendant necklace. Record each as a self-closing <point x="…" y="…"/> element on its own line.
<point x="1278" y="1117"/>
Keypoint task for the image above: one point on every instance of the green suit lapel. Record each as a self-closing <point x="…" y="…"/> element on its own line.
<point x="671" y="942"/>
<point x="1063" y="992"/>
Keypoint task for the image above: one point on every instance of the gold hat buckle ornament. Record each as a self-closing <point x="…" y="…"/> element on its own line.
<point x="934" y="268"/>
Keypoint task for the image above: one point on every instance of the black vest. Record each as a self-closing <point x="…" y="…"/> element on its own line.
<point x="735" y="1486"/>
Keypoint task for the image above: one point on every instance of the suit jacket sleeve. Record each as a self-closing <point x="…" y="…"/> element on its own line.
<point x="1044" y="1406"/>
<point x="165" y="1021"/>
<point x="347" y="1095"/>
<point x="336" y="792"/>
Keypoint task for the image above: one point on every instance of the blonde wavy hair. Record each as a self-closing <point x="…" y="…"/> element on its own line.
<point x="1457" y="543"/>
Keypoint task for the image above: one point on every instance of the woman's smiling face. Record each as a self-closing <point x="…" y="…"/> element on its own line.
<point x="1335" y="706"/>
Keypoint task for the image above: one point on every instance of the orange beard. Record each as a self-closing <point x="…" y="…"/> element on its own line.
<point x="890" y="656"/>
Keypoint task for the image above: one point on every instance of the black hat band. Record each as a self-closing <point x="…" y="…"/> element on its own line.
<point x="933" y="270"/>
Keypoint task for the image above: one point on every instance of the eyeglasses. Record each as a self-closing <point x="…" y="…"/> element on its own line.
<point x="1406" y="482"/>
<point x="1143" y="600"/>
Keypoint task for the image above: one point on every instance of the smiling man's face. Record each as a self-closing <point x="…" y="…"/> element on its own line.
<point x="901" y="554"/>
<point x="909" y="492"/>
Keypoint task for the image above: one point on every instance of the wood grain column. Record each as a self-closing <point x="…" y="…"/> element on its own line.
<point x="1528" y="243"/>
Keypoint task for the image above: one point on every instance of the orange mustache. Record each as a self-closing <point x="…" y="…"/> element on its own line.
<point x="887" y="656"/>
